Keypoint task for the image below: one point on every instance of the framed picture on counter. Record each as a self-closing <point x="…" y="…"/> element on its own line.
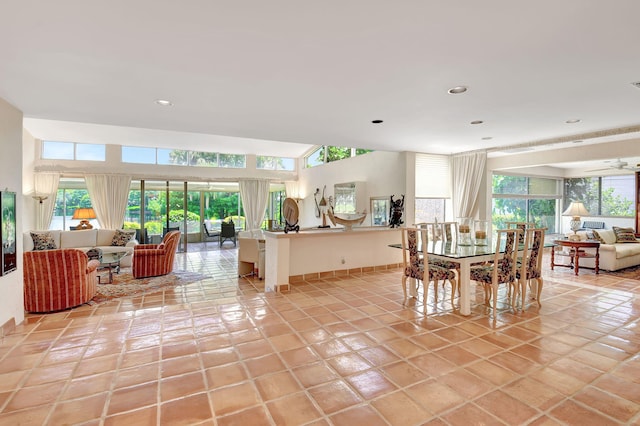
<point x="380" y="211"/>
<point x="8" y="231"/>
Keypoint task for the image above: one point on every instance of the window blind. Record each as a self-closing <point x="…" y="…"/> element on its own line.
<point x="433" y="176"/>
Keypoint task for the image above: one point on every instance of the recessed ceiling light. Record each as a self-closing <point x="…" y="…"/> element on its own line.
<point x="457" y="90"/>
<point x="487" y="138"/>
<point x="573" y="121"/>
<point x="377" y="121"/>
<point x="477" y="122"/>
<point x="163" y="102"/>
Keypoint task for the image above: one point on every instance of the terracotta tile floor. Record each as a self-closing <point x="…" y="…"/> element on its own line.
<point x="341" y="351"/>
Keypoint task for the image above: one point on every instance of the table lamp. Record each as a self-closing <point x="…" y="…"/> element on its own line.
<point x="84" y="214"/>
<point x="575" y="210"/>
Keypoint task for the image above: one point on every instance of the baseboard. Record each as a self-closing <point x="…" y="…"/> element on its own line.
<point x="294" y="279"/>
<point x="8" y="327"/>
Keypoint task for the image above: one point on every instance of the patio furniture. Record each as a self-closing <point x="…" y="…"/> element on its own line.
<point x="227" y="232"/>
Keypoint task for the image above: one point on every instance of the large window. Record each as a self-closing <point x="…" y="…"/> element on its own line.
<point x="179" y="157"/>
<point x="604" y="195"/>
<point x="433" y="189"/>
<point x="275" y="163"/>
<point x="525" y="199"/>
<point x="52" y="150"/>
<point x="327" y="154"/>
<point x="72" y="194"/>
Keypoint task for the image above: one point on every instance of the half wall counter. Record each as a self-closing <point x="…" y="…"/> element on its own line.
<point x="324" y="253"/>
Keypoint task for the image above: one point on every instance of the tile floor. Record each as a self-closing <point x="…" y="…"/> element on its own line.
<point x="330" y="352"/>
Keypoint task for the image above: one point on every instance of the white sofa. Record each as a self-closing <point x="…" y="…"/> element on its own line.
<point x="613" y="255"/>
<point x="85" y="240"/>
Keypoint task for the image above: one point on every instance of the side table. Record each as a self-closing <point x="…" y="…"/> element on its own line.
<point x="576" y="251"/>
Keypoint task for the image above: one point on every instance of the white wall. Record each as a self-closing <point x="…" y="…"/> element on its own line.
<point x="28" y="180"/>
<point x="383" y="172"/>
<point x="11" y="285"/>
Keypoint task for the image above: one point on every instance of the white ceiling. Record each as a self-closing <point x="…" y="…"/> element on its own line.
<point x="305" y="73"/>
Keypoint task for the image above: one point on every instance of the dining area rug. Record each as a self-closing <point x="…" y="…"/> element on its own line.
<point x="125" y="285"/>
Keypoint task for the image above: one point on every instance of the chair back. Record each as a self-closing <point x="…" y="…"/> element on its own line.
<point x="450" y="231"/>
<point x="171" y="241"/>
<point x="531" y="265"/>
<point x="227" y="230"/>
<point x="523" y="226"/>
<point x="506" y="253"/>
<point x="414" y="252"/>
<point x="434" y="229"/>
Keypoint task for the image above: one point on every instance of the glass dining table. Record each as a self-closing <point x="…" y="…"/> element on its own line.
<point x="463" y="255"/>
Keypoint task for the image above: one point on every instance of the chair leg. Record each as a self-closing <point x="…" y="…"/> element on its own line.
<point x="453" y="291"/>
<point x="523" y="296"/>
<point x="494" y="292"/>
<point x="404" y="288"/>
<point x="539" y="280"/>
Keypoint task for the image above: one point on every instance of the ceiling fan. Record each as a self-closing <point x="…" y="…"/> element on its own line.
<point x="618" y="164"/>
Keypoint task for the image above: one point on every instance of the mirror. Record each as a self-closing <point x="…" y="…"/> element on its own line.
<point x="344" y="197"/>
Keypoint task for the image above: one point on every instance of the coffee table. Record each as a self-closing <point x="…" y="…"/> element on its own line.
<point x="110" y="262"/>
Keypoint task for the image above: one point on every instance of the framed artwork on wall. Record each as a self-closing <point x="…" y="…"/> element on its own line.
<point x="8" y="231"/>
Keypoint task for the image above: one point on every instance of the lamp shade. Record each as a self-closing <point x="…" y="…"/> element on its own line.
<point x="84" y="213"/>
<point x="576" y="209"/>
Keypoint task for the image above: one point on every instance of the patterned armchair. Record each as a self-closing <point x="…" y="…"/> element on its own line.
<point x="58" y="279"/>
<point x="151" y="260"/>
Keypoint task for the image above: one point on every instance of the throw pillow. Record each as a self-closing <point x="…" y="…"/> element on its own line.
<point x="43" y="241"/>
<point x="605" y="236"/>
<point x="624" y="235"/>
<point x="122" y="237"/>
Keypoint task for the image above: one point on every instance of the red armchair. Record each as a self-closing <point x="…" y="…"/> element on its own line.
<point x="151" y="260"/>
<point x="58" y="279"/>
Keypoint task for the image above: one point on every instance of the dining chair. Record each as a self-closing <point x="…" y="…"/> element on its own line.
<point x="502" y="270"/>
<point x="444" y="233"/>
<point x="416" y="265"/>
<point x="530" y="267"/>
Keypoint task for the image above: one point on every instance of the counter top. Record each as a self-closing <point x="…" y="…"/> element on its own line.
<point x="327" y="232"/>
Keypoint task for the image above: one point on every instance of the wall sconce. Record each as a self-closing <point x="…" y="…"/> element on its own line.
<point x="84" y="214"/>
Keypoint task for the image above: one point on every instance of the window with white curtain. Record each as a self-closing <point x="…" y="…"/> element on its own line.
<point x="433" y="187"/>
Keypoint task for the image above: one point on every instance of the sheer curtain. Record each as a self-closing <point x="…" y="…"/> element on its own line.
<point x="46" y="185"/>
<point x="467" y="171"/>
<point x="109" y="195"/>
<point x="255" y="195"/>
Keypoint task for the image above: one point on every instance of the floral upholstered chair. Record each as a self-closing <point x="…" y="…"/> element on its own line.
<point x="58" y="279"/>
<point x="502" y="269"/>
<point x="151" y="260"/>
<point x="416" y="264"/>
<point x="531" y="267"/>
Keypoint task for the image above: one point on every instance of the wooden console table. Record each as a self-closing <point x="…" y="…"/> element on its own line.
<point x="576" y="251"/>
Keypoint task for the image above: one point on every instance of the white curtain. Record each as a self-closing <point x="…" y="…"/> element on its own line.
<point x="467" y="171"/>
<point x="255" y="195"/>
<point x="46" y="190"/>
<point x="292" y="189"/>
<point x="109" y="195"/>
